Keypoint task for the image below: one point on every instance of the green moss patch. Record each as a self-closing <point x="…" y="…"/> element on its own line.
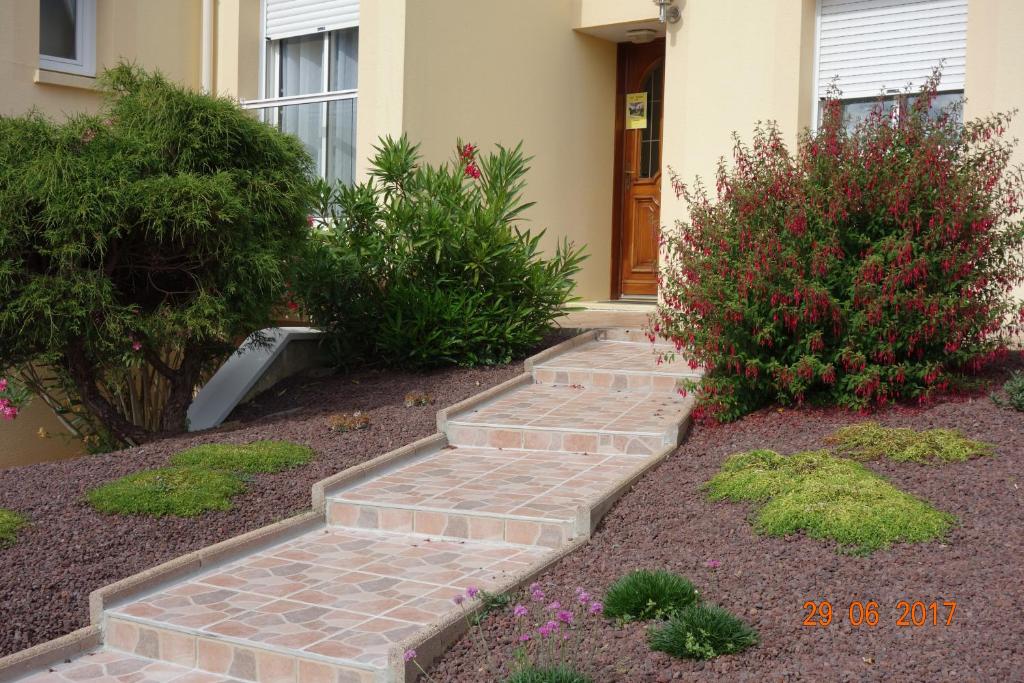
<point x="648" y="595"/>
<point x="183" y="491"/>
<point x="256" y="457"/>
<point x="827" y="498"/>
<point x="702" y="631"/>
<point x="872" y="441"/>
<point x="10" y="523"/>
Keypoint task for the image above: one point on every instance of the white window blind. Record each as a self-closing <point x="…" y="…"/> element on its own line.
<point x="287" y="18"/>
<point x="871" y="45"/>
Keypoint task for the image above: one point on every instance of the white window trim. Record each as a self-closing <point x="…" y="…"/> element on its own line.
<point x="85" y="44"/>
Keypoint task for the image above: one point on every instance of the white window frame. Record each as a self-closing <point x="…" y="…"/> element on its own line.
<point x="270" y="60"/>
<point x="85" y="44"/>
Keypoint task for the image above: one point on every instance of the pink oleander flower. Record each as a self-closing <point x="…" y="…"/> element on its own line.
<point x="310" y="220"/>
<point x="136" y="345"/>
<point x="472" y="591"/>
<point x="468" y="151"/>
<point x="410" y="655"/>
<point x="596" y="607"/>
<point x="3" y="384"/>
<point x="713" y="564"/>
<point x="519" y="611"/>
<point x="472" y="170"/>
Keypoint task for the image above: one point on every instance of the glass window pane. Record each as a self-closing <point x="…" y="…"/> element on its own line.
<point x="344" y="52"/>
<point x="302" y="65"/>
<point x="341" y="141"/>
<point x="306" y="122"/>
<point x="57" y="22"/>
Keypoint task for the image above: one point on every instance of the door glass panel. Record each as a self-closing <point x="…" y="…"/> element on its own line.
<point x="57" y="22"/>
<point x="650" y="137"/>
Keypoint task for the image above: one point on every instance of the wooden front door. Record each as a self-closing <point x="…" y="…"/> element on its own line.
<point x="638" y="169"/>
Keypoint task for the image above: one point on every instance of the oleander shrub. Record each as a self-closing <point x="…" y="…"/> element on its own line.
<point x="645" y="594"/>
<point x="10" y="523"/>
<point x="425" y="265"/>
<point x="138" y="245"/>
<point x="867" y="266"/>
<point x="826" y="497"/>
<point x="702" y="631"/>
<point x="251" y="458"/>
<point x="182" y="491"/>
<point x="871" y="441"/>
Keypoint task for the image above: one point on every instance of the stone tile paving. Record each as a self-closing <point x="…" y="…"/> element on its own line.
<point x="106" y="666"/>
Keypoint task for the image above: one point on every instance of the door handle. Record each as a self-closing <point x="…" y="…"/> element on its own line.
<point x="628" y="179"/>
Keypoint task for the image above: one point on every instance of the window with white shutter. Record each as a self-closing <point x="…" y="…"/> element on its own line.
<point x="885" y="48"/>
<point x="310" y="79"/>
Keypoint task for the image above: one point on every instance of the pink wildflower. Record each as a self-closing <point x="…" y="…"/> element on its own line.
<point x="596" y="607"/>
<point x="472" y="591"/>
<point x="713" y="564"/>
<point x="410" y="655"/>
<point x="519" y="611"/>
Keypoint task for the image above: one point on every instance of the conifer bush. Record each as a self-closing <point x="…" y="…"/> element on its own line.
<point x="870" y="265"/>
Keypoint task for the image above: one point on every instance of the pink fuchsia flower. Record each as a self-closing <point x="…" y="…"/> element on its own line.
<point x="409" y="655"/>
<point x="596" y="607"/>
<point x="458" y="599"/>
<point x="519" y="611"/>
<point x="564" y="616"/>
<point x="713" y="564"/>
<point x="472" y="591"/>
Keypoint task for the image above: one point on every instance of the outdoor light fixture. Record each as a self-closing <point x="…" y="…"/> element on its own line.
<point x="667" y="12"/>
<point x="641" y="35"/>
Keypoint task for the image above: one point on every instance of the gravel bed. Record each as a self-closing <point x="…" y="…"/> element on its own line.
<point x="667" y="522"/>
<point x="69" y="550"/>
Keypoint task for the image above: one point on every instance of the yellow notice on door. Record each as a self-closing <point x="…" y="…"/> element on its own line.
<point x="636" y="110"/>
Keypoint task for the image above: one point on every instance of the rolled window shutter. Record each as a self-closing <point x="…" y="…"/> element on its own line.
<point x="288" y="18"/>
<point x="871" y="45"/>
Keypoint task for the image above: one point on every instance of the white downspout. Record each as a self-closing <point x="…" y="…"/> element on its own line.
<point x="207" y="47"/>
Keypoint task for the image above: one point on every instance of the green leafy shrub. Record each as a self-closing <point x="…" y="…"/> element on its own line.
<point x="259" y="456"/>
<point x="558" y="674"/>
<point x="1014" y="389"/>
<point x="702" y="631"/>
<point x="871" y="265"/>
<point x="138" y="245"/>
<point x="10" y="523"/>
<point x="644" y="594"/>
<point x="185" y="491"/>
<point x="871" y="441"/>
<point x="426" y="265"/>
<point x="826" y="498"/>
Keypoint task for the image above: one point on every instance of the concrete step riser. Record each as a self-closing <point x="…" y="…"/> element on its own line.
<point x="453" y="525"/>
<point x="461" y="434"/>
<point x="610" y="379"/>
<point x="216" y="656"/>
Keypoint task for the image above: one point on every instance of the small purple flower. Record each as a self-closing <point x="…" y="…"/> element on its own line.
<point x="713" y="564"/>
<point x="525" y="637"/>
<point x="583" y="596"/>
<point x="535" y="586"/>
<point x="472" y="591"/>
<point x="458" y="599"/>
<point x="564" y="616"/>
<point x="555" y="606"/>
<point x="537" y="595"/>
<point x="410" y="655"/>
<point x="544" y="631"/>
<point x="596" y="607"/>
<point x="519" y="611"/>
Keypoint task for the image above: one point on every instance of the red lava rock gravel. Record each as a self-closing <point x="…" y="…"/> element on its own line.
<point x="667" y="522"/>
<point x="69" y="549"/>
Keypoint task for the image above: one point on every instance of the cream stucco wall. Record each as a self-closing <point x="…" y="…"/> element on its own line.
<point x="381" y="76"/>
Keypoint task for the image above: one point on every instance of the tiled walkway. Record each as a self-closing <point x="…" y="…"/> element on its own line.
<point x="517" y="480"/>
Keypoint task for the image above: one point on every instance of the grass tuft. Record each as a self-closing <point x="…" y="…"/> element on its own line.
<point x="871" y="441"/>
<point x="556" y="674"/>
<point x="184" y="491"/>
<point x="256" y="457"/>
<point x="10" y="523"/>
<point x="827" y="498"/>
<point x="645" y="594"/>
<point x="702" y="631"/>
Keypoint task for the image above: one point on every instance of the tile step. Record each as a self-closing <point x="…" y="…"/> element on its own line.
<point x="108" y="665"/>
<point x="635" y="380"/>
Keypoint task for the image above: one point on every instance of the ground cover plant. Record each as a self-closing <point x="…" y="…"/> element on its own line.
<point x="826" y="497"/>
<point x="644" y="594"/>
<point x="1014" y="388"/>
<point x="559" y="674"/>
<point x="870" y="441"/>
<point x="702" y="631"/>
<point x="868" y="266"/>
<point x="10" y="522"/>
<point x="199" y="479"/>
<point x="138" y="245"/>
<point x="425" y="265"/>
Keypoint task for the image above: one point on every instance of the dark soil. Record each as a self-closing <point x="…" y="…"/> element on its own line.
<point x="667" y="522"/>
<point x="69" y="550"/>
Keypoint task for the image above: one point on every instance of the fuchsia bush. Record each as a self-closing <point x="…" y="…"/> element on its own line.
<point x="869" y="266"/>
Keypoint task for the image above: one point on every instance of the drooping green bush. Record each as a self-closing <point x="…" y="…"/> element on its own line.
<point x="427" y="265"/>
<point x="252" y="458"/>
<point x="645" y="594"/>
<point x="871" y="265"/>
<point x="184" y="491"/>
<point x="826" y="497"/>
<point x="138" y="245"/>
<point x="702" y="631"/>
<point x="10" y="523"/>
<point x="871" y="441"/>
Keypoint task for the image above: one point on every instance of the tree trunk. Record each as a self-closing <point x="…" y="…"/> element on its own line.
<point x="179" y="397"/>
<point x="84" y="377"/>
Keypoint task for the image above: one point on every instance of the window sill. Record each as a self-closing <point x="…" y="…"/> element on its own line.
<point x="67" y="80"/>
